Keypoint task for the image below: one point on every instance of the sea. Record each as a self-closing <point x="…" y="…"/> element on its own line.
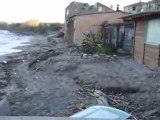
<point x="9" y="42"/>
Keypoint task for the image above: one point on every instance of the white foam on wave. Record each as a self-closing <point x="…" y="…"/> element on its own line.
<point x="9" y="41"/>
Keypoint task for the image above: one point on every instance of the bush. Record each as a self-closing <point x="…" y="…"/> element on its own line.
<point x="103" y="49"/>
<point x="33" y="27"/>
<point x="93" y="43"/>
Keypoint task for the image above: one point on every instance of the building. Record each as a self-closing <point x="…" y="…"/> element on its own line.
<point x="139" y="7"/>
<point x="119" y="34"/>
<point x="77" y="8"/>
<point x="146" y="38"/>
<point x="87" y="19"/>
<point x="134" y="8"/>
<point x="153" y="5"/>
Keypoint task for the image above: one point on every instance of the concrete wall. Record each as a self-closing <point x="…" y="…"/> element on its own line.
<point x="144" y="52"/>
<point x="151" y="57"/>
<point x="139" y="41"/>
<point x="80" y="8"/>
<point x="92" y="22"/>
<point x="130" y="9"/>
<point x="153" y="5"/>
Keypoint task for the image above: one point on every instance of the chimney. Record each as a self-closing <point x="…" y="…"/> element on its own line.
<point x="117" y="7"/>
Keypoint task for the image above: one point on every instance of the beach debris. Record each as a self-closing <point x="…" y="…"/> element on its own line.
<point x="4" y="61"/>
<point x="151" y="112"/>
<point x="83" y="55"/>
<point x="101" y="98"/>
<point x="43" y="56"/>
<point x="3" y="83"/>
<point x="114" y="55"/>
<point x="26" y="89"/>
<point x="76" y="106"/>
<point x="4" y="107"/>
<point x="2" y="75"/>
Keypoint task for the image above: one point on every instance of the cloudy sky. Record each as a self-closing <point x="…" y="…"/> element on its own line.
<point x="45" y="10"/>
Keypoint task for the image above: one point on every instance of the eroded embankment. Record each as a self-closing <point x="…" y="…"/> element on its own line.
<point x="56" y="80"/>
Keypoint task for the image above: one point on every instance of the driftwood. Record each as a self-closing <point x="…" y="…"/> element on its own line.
<point x="43" y="56"/>
<point x="150" y="113"/>
<point x="101" y="98"/>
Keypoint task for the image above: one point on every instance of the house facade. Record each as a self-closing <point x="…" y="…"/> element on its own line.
<point x="88" y="19"/>
<point x="134" y="8"/>
<point x="85" y="23"/>
<point x="146" y="38"/>
<point x="80" y="16"/>
<point x="119" y="34"/>
<point x="153" y="5"/>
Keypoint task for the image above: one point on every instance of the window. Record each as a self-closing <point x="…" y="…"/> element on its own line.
<point x="99" y="9"/>
<point x="74" y="24"/>
<point x="134" y="8"/>
<point x="67" y="12"/>
<point x="152" y="33"/>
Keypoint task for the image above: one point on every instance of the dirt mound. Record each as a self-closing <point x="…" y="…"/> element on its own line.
<point x="56" y="80"/>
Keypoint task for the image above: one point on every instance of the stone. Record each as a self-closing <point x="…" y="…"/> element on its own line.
<point x="3" y="83"/>
<point x="4" y="61"/>
<point x="101" y="98"/>
<point x="2" y="75"/>
<point x="4" y="107"/>
<point x="121" y="51"/>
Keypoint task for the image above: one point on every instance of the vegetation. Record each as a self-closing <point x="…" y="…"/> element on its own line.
<point x="31" y="26"/>
<point x="93" y="43"/>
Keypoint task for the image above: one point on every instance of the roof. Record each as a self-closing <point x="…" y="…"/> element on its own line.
<point x="98" y="3"/>
<point x="85" y="8"/>
<point x="136" y="4"/>
<point x="143" y="14"/>
<point x="115" y="22"/>
<point x="80" y="14"/>
<point x="78" y="4"/>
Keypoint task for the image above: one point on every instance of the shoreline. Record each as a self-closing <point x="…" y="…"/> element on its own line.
<point x="7" y="60"/>
<point x="22" y="45"/>
<point x="40" y="78"/>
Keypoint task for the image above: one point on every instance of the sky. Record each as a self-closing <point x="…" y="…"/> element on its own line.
<point x="46" y="10"/>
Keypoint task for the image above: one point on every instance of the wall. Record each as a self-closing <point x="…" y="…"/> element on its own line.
<point x="144" y="52"/>
<point x="92" y="22"/>
<point x="151" y="57"/>
<point x="153" y="5"/>
<point x="139" y="41"/>
<point x="130" y="9"/>
<point x="79" y="8"/>
<point x="73" y="8"/>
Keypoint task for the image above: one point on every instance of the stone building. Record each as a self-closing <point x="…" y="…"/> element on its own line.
<point x="134" y="8"/>
<point x="153" y="5"/>
<point x="139" y="7"/>
<point x="78" y="16"/>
